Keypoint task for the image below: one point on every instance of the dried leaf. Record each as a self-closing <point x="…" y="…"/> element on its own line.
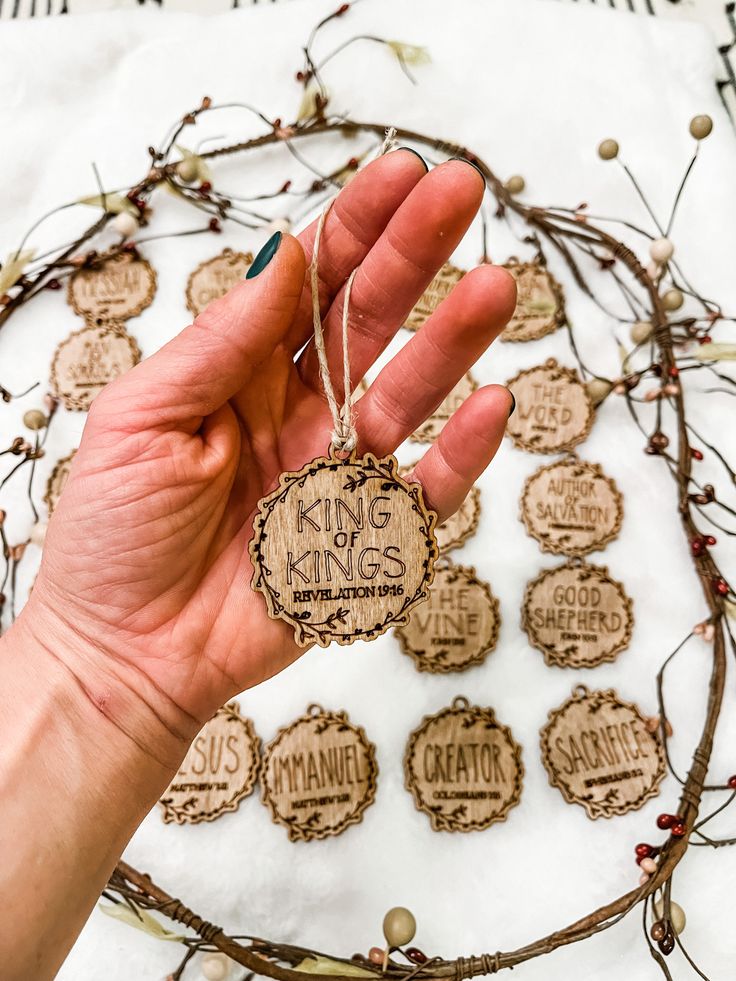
<point x="12" y="268"/>
<point x="113" y="204"/>
<point x="141" y="920"/>
<point x="411" y="54"/>
<point x="323" y="965"/>
<point x="715" y="352"/>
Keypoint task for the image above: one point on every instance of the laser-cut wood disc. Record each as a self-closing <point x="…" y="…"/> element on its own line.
<point x="553" y="409"/>
<point x="219" y="770"/>
<point x="457" y="627"/>
<point x="577" y="615"/>
<point x="88" y="360"/>
<point x="114" y="288"/>
<point x="343" y="549"/>
<point x="598" y="752"/>
<point x="319" y="775"/>
<point x="571" y="507"/>
<point x="441" y="286"/>
<point x="463" y="768"/>
<point x="539" y="303"/>
<point x="212" y="279"/>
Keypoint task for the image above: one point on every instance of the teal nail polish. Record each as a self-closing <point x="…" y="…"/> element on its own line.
<point x="513" y="403"/>
<point x="471" y="163"/>
<point x="264" y="256"/>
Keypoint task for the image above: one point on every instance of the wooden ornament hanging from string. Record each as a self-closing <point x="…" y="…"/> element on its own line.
<point x="539" y="302"/>
<point x="553" y="409"/>
<point x="343" y="548"/>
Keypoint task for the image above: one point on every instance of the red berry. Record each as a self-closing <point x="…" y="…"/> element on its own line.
<point x="353" y="163"/>
<point x="277" y="123"/>
<point x="205" y="187"/>
<point x="678" y="829"/>
<point x="674" y="371"/>
<point x="696" y="454"/>
<point x="285" y="187"/>
<point x="720" y="587"/>
<point x="732" y="782"/>
<point x="697" y="546"/>
<point x="53" y="284"/>
<point x="706" y="339"/>
<point x="643" y="850"/>
<point x="710" y="540"/>
<point x="342" y="9"/>
<point x="665" y="821"/>
<point x="416" y="955"/>
<point x="300" y="76"/>
<point x="215" y="225"/>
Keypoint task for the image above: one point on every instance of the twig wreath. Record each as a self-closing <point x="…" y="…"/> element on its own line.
<point x="667" y="347"/>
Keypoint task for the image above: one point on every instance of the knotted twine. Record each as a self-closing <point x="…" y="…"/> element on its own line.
<point x="344" y="437"/>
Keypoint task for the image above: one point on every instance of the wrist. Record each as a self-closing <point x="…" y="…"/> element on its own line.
<point x="58" y="663"/>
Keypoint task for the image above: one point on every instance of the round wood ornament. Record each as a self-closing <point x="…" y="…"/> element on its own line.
<point x="440" y="287"/>
<point x="553" y="409"/>
<point x="212" y="279"/>
<point x="459" y="527"/>
<point x="319" y="775"/>
<point x="114" y="288"/>
<point x="539" y="303"/>
<point x="599" y="753"/>
<point x="88" y="360"/>
<point x="463" y="768"/>
<point x="57" y="481"/>
<point x="343" y="549"/>
<point x="576" y="615"/>
<point x="433" y="426"/>
<point x="571" y="507"/>
<point x="457" y="627"/>
<point x="219" y="770"/>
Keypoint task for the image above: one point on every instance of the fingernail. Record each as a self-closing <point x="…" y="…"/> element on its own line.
<point x="264" y="256"/>
<point x="513" y="402"/>
<point x="416" y="154"/>
<point x="471" y="163"/>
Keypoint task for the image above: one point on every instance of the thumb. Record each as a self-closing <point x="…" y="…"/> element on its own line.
<point x="212" y="359"/>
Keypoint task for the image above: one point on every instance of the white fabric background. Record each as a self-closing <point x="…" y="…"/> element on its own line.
<point x="532" y="88"/>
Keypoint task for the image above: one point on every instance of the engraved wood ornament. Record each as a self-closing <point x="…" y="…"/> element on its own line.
<point x="114" y="288"/>
<point x="571" y="507"/>
<point x="457" y="627"/>
<point x="219" y="770"/>
<point x="440" y="287"/>
<point x="433" y="426"/>
<point x="57" y="481"/>
<point x="459" y="527"/>
<point x="343" y="549"/>
<point x="463" y="768"/>
<point x="88" y="360"/>
<point x="598" y="752"/>
<point x="553" y="409"/>
<point x="539" y="303"/>
<point x="577" y="616"/>
<point x="212" y="279"/>
<point x="319" y="775"/>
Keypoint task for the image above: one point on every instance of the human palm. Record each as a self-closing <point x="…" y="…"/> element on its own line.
<point x="145" y="586"/>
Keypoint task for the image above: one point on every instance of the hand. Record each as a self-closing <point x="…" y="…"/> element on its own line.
<point x="145" y="592"/>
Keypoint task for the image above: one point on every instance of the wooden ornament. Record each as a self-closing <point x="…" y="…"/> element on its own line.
<point x="433" y="426"/>
<point x="553" y="409"/>
<point x="463" y="768"/>
<point x="571" y="507"/>
<point x="457" y="627"/>
<point x="440" y="287"/>
<point x="57" y="481"/>
<point x="88" y="360"/>
<point x="343" y="549"/>
<point x="459" y="527"/>
<point x="539" y="302"/>
<point x="576" y="615"/>
<point x="114" y="288"/>
<point x="319" y="775"/>
<point x="212" y="279"/>
<point x="220" y="769"/>
<point x="598" y="752"/>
